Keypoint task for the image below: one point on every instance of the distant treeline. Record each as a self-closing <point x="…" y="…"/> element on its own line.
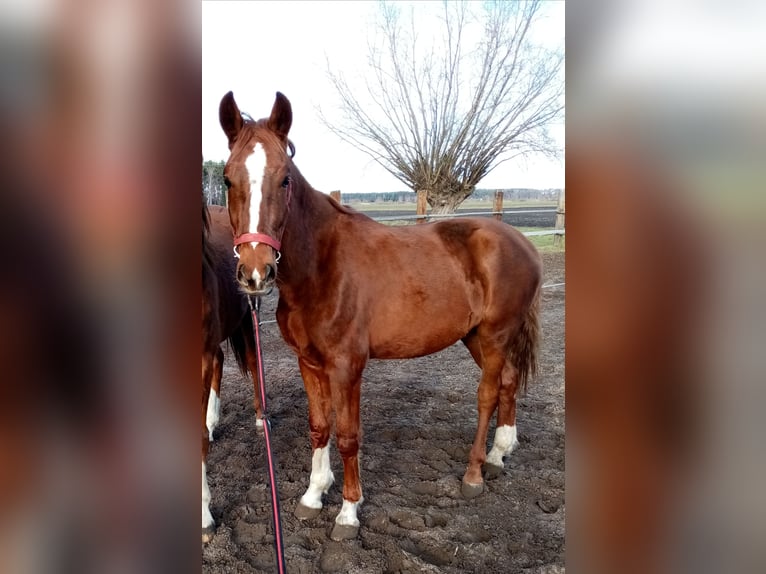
<point x="214" y="191"/>
<point x="480" y="194"/>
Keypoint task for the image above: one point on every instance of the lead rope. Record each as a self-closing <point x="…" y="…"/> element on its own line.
<point x="277" y="521"/>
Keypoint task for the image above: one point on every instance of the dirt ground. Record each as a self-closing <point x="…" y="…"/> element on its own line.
<point x="418" y="419"/>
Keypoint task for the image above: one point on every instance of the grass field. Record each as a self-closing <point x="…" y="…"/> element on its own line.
<point x="544" y="243"/>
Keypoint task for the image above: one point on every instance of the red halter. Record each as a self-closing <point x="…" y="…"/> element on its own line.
<point x="260" y="238"/>
<point x="276" y="244"/>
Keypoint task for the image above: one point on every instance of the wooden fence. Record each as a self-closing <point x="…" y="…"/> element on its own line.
<point x="422" y="215"/>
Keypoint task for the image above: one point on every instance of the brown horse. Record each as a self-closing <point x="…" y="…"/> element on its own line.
<point x="351" y="289"/>
<point x="225" y="315"/>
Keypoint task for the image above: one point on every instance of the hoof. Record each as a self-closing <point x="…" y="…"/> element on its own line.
<point x="207" y="534"/>
<point x="303" y="512"/>
<point x="470" y="491"/>
<point x="344" y="532"/>
<point x="492" y="470"/>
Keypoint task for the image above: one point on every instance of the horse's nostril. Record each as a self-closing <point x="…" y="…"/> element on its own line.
<point x="270" y="273"/>
<point x="242" y="275"/>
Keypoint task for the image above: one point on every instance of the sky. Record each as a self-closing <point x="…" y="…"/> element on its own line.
<point x="258" y="48"/>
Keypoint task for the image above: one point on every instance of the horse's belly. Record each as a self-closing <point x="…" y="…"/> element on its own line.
<point x="424" y="314"/>
<point x="414" y="337"/>
<point x="402" y="349"/>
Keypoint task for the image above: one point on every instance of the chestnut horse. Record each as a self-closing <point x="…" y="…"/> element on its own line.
<point x="351" y="289"/>
<point x="225" y="315"/>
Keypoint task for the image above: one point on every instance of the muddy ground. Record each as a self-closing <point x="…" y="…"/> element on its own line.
<point x="418" y="419"/>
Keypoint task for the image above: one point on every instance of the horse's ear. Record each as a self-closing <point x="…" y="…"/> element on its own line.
<point x="230" y="117"/>
<point x="281" y="117"/>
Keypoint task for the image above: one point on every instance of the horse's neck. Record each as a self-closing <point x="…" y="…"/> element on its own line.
<point x="309" y="217"/>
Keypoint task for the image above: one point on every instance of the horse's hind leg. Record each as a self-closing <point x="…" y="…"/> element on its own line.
<point x="492" y="362"/>
<point x="214" y="400"/>
<point x="521" y="361"/>
<point x="505" y="433"/>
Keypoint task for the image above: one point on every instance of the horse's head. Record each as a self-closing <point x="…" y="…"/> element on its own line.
<point x="257" y="175"/>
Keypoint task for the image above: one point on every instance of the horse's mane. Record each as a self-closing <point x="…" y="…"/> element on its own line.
<point x="205" y="220"/>
<point x="343" y="208"/>
<point x="207" y="251"/>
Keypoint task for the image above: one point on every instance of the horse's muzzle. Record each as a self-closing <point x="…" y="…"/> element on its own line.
<point x="251" y="281"/>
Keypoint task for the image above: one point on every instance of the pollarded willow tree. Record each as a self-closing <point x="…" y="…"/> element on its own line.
<point x="441" y="112"/>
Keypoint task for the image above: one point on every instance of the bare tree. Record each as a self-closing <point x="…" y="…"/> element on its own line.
<point x="441" y="117"/>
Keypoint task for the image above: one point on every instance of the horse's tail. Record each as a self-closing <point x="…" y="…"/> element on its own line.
<point x="524" y="348"/>
<point x="241" y="341"/>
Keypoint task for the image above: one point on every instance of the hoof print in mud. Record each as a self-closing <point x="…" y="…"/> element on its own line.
<point x="303" y="512"/>
<point x="344" y="532"/>
<point x="470" y="491"/>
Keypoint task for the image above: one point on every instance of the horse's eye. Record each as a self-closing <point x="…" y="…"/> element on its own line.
<point x="286" y="181"/>
<point x="226" y="182"/>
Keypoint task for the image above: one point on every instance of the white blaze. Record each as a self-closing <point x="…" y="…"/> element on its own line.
<point x="256" y="167"/>
<point x="505" y="441"/>
<point x="321" y="478"/>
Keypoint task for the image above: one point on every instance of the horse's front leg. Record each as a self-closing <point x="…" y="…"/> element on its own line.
<point x="318" y="392"/>
<point x="214" y="396"/>
<point x="251" y="356"/>
<point x="345" y="386"/>
<point x="208" y="524"/>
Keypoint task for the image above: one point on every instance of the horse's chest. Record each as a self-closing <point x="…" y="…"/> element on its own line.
<point x="310" y="334"/>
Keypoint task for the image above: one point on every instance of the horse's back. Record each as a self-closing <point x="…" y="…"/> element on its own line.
<point x="488" y="250"/>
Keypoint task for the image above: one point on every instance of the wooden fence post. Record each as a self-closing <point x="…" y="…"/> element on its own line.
<point x="498" y="206"/>
<point x="422" y="206"/>
<point x="560" y="211"/>
<point x="335" y="195"/>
